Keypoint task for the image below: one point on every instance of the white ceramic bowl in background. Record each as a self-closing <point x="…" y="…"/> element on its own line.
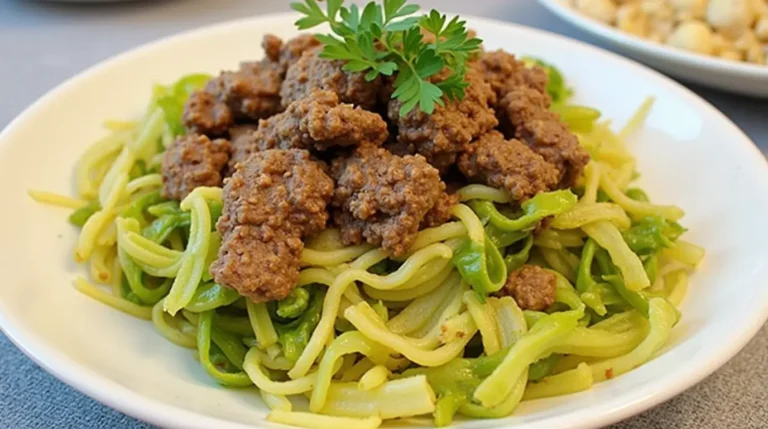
<point x="742" y="78"/>
<point x="689" y="153"/>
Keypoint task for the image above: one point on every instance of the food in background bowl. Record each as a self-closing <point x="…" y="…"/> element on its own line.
<point x="730" y="29"/>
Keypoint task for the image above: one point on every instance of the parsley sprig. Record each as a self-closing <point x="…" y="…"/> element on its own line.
<point x="382" y="40"/>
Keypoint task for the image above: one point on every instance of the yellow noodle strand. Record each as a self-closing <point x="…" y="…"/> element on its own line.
<point x="366" y="321"/>
<point x="482" y="192"/>
<point x="332" y="300"/>
<point x="113" y="301"/>
<point x="319" y="421"/>
<point x="54" y="199"/>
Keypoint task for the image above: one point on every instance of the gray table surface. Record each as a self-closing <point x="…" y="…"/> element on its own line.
<point x="42" y="43"/>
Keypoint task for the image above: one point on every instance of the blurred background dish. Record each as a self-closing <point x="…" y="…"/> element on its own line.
<point x="694" y="40"/>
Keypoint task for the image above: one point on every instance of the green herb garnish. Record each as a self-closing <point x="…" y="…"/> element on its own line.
<point x="383" y="40"/>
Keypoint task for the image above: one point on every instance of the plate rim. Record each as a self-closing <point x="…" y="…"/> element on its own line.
<point x="609" y="33"/>
<point x="118" y="397"/>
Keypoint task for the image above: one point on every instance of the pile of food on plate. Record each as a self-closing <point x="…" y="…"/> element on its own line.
<point x="730" y="29"/>
<point x="389" y="220"/>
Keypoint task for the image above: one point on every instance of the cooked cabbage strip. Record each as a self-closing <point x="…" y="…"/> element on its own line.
<point x="635" y="207"/>
<point x="503" y="408"/>
<point x="405" y="397"/>
<point x="572" y="381"/>
<point x="545" y="333"/>
<point x="346" y="343"/>
<point x="662" y="317"/>
<point x="484" y="316"/>
<point x="583" y="214"/>
<point x="610" y="239"/>
<point x="419" y="311"/>
<point x="431" y="335"/>
<point x="319" y="421"/>
<point x="685" y="252"/>
<point x="193" y="261"/>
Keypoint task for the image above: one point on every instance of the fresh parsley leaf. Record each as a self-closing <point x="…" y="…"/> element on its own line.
<point x="333" y="8"/>
<point x="429" y="95"/>
<point x="314" y="7"/>
<point x="371" y="15"/>
<point x="386" y="68"/>
<point x="391" y="7"/>
<point x="429" y="63"/>
<point x="433" y="22"/>
<point x="384" y="39"/>
<point x="309" y="22"/>
<point x="351" y="18"/>
<point x="403" y="24"/>
<point x="301" y="8"/>
<point x="453" y="87"/>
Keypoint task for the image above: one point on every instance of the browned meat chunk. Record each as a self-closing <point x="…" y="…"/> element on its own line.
<point x="284" y="189"/>
<point x="272" y="46"/>
<point x="259" y="262"/>
<point x="274" y="198"/>
<point x="382" y="198"/>
<point x="509" y="165"/>
<point x="528" y="111"/>
<point x="320" y="121"/>
<point x="503" y="72"/>
<point x="243" y="144"/>
<point x="522" y="103"/>
<point x="441" y="136"/>
<point x="193" y="161"/>
<point x="287" y="53"/>
<point x="532" y="287"/>
<point x="252" y="92"/>
<point x="205" y="114"/>
<point x="312" y="72"/>
<point x="399" y="148"/>
<point x="440" y="213"/>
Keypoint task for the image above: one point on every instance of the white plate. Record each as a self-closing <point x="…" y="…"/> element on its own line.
<point x="690" y="154"/>
<point x="732" y="76"/>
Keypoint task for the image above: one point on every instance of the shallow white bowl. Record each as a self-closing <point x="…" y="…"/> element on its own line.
<point x="742" y="78"/>
<point x="690" y="154"/>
